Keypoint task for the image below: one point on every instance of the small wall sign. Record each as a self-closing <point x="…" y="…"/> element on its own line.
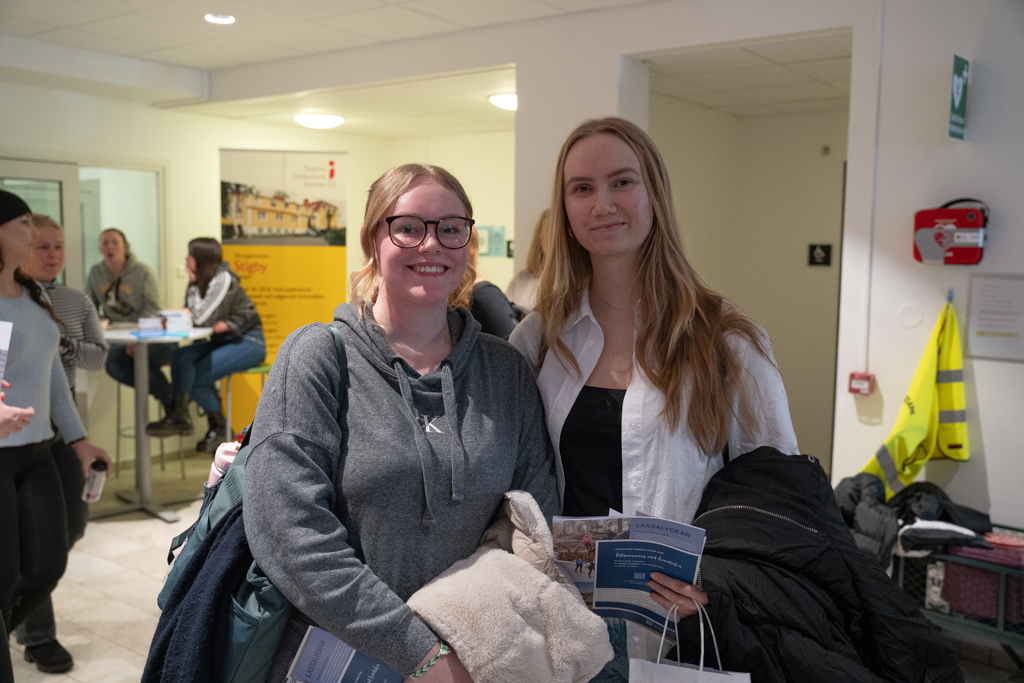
<point x="820" y="255"/>
<point x="958" y="98"/>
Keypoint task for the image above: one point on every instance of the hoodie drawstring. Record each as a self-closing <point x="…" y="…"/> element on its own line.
<point x="422" y="447"/>
<point x="451" y="413"/>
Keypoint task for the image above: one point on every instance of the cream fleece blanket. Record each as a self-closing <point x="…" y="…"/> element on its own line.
<point x="509" y="611"/>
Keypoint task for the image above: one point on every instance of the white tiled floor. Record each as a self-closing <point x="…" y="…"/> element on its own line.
<point x="106" y="603"/>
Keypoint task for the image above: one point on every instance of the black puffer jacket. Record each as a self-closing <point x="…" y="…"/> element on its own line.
<point x="875" y="525"/>
<point x="791" y="596"/>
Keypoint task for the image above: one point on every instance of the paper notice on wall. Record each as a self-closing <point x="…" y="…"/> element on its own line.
<point x="5" y="344"/>
<point x="996" y="317"/>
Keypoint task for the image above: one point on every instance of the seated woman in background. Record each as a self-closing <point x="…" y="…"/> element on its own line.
<point x="488" y="305"/>
<point x="124" y="289"/>
<point x="356" y="496"/>
<point x="522" y="291"/>
<point x="81" y="346"/>
<point x="216" y="299"/>
<point x="648" y="377"/>
<point x="33" y="523"/>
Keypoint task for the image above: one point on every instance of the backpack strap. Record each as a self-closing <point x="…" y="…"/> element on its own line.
<point x="339" y="348"/>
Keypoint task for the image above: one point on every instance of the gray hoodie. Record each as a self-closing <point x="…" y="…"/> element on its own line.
<point x="349" y="521"/>
<point x="128" y="297"/>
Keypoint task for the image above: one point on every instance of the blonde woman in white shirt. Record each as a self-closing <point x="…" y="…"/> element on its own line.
<point x="647" y="375"/>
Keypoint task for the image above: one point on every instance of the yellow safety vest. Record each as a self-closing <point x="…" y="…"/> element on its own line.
<point x="933" y="420"/>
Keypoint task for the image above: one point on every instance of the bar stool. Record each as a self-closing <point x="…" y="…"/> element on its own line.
<point x="262" y="371"/>
<point x="129" y="433"/>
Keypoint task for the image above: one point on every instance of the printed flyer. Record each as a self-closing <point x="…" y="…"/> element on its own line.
<point x="324" y="658"/>
<point x="610" y="560"/>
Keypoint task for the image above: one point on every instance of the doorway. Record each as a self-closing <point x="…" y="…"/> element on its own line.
<point x="754" y="136"/>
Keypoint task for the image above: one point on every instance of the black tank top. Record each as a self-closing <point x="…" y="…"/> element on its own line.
<point x="591" y="450"/>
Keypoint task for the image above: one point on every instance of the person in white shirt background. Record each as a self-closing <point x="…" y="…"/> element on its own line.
<point x="648" y="377"/>
<point x="522" y="291"/>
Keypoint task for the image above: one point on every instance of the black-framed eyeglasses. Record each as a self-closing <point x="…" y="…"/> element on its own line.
<point x="409" y="232"/>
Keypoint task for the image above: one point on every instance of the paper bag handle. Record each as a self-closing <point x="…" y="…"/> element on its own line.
<point x="701" y="615"/>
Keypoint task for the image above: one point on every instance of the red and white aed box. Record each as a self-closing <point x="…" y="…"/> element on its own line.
<point x="951" y="235"/>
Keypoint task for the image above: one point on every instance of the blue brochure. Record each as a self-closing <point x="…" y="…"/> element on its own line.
<point x="610" y="560"/>
<point x="151" y="334"/>
<point x="325" y="658"/>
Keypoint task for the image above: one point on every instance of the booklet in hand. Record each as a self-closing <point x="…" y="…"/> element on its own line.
<point x="5" y="344"/>
<point x="325" y="658"/>
<point x="610" y="559"/>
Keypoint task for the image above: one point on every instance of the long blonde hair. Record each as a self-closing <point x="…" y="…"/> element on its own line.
<point x="682" y="322"/>
<point x="383" y="193"/>
<point x="535" y="257"/>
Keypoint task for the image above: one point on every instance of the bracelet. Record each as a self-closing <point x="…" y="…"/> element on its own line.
<point x="426" y="667"/>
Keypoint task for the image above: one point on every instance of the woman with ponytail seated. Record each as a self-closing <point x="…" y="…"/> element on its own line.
<point x="215" y="299"/>
<point x="33" y="524"/>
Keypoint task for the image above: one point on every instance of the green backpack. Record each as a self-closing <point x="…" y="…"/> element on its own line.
<point x="259" y="612"/>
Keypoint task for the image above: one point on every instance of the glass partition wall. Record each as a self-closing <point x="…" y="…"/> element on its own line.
<point x="125" y="199"/>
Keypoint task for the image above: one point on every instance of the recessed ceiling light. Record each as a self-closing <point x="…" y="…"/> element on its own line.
<point x="220" y="18"/>
<point x="321" y="121"/>
<point x="508" y="101"/>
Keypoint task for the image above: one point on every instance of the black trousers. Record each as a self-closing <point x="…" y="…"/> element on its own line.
<point x="6" y="668"/>
<point x="33" y="530"/>
<point x="39" y="626"/>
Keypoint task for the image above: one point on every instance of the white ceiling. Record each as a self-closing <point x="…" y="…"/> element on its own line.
<point x="449" y="104"/>
<point x="174" y="31"/>
<point x="793" y="75"/>
<point x="796" y="75"/>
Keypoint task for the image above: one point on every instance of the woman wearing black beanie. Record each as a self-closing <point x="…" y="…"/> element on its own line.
<point x="33" y="525"/>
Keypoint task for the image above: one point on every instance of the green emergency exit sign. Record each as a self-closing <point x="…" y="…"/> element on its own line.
<point x="958" y="98"/>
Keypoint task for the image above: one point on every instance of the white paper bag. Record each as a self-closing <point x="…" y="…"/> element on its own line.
<point x="642" y="671"/>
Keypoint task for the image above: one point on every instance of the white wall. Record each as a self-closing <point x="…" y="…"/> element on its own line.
<point x="791" y="196"/>
<point x="751" y="195"/>
<point x="485" y="165"/>
<point x="920" y="167"/>
<point x="701" y="149"/>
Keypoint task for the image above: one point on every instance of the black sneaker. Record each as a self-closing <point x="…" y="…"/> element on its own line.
<point x="170" y="425"/>
<point x="50" y="658"/>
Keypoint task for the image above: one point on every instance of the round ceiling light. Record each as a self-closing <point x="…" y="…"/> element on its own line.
<point x="319" y="121"/>
<point x="220" y="18"/>
<point x="508" y="101"/>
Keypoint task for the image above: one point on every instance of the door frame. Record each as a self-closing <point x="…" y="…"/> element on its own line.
<point x="66" y="172"/>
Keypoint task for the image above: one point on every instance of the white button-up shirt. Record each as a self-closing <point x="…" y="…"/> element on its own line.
<point x="663" y="471"/>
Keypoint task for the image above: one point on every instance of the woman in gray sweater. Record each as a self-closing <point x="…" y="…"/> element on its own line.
<point x="356" y="496"/>
<point x="33" y="527"/>
<point x="125" y="289"/>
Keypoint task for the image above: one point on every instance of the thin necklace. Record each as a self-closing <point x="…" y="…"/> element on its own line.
<point x="601" y="299"/>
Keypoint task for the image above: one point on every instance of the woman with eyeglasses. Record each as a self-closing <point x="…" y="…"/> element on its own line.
<point x="648" y="376"/>
<point x="358" y="496"/>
